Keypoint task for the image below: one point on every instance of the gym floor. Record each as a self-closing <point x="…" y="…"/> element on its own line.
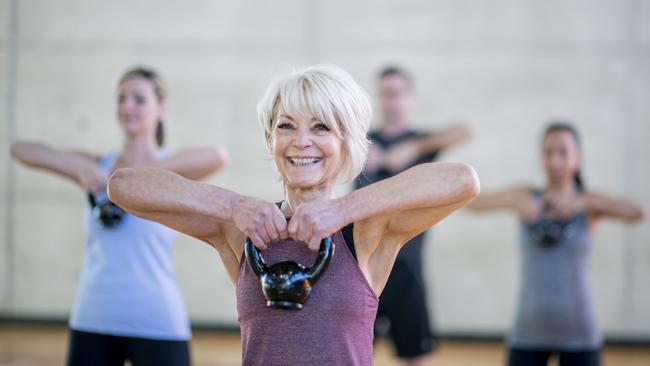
<point x="45" y="345"/>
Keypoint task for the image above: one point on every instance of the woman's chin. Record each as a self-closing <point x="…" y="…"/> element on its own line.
<point x="131" y="128"/>
<point x="303" y="183"/>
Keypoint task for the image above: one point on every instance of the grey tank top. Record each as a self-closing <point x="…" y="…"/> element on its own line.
<point x="555" y="309"/>
<point x="335" y="326"/>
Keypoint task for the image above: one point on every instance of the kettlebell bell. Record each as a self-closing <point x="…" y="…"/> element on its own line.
<point x="287" y="284"/>
<point x="547" y="231"/>
<point x="108" y="213"/>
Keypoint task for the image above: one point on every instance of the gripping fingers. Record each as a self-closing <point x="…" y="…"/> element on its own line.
<point x="292" y="228"/>
<point x="259" y="243"/>
<point x="280" y="224"/>
<point x="271" y="231"/>
<point x="314" y="243"/>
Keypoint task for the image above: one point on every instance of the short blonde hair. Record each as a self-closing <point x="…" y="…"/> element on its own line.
<point x="329" y="94"/>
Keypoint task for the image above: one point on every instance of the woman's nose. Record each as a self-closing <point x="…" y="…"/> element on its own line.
<point x="303" y="139"/>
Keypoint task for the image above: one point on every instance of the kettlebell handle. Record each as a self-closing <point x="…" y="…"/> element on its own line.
<point x="322" y="260"/>
<point x="254" y="258"/>
<point x="91" y="199"/>
<point x="258" y="265"/>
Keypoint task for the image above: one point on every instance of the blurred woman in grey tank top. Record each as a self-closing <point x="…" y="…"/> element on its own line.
<point x="555" y="312"/>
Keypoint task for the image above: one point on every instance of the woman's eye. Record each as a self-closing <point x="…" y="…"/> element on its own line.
<point x="140" y="99"/>
<point x="121" y="99"/>
<point x="284" y="126"/>
<point x="321" y="127"/>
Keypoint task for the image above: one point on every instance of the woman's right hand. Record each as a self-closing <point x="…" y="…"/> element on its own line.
<point x="261" y="221"/>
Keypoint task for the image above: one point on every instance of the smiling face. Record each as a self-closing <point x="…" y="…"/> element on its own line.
<point x="138" y="107"/>
<point x="560" y="156"/>
<point x="306" y="152"/>
<point x="315" y="122"/>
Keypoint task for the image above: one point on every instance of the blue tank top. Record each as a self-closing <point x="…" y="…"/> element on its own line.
<point x="555" y="308"/>
<point x="128" y="284"/>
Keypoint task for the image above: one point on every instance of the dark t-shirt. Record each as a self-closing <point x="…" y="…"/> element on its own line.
<point x="413" y="250"/>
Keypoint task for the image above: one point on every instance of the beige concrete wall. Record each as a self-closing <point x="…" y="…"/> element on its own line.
<point x="5" y="193"/>
<point x="506" y="66"/>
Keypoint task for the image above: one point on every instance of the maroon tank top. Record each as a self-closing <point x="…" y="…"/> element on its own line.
<point x="334" y="327"/>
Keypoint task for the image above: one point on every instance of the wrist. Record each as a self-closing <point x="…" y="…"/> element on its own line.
<point x="84" y="174"/>
<point x="587" y="203"/>
<point x="350" y="211"/>
<point x="343" y="208"/>
<point x="235" y="202"/>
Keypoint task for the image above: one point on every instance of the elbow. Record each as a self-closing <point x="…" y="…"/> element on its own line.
<point x="215" y="159"/>
<point x="222" y="157"/>
<point x="467" y="132"/>
<point x="470" y="186"/>
<point x="28" y="153"/>
<point x="14" y="150"/>
<point x="116" y="187"/>
<point x="638" y="214"/>
<point x="17" y="151"/>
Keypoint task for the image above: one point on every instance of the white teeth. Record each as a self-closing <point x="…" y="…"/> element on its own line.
<point x="304" y="161"/>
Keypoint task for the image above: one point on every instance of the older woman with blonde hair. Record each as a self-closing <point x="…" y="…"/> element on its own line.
<point x="315" y="122"/>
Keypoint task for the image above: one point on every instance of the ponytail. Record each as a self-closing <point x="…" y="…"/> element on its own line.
<point x="577" y="178"/>
<point x="160" y="133"/>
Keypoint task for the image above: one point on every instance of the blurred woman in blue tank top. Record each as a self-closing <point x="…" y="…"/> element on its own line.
<point x="555" y="313"/>
<point x="128" y="305"/>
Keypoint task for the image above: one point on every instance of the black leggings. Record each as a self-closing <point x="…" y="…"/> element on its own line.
<point x="522" y="357"/>
<point x="107" y="350"/>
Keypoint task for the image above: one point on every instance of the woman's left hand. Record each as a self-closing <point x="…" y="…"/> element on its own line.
<point x="313" y="221"/>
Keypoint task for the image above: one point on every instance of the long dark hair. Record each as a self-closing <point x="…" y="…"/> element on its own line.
<point x="555" y="126"/>
<point x="159" y="87"/>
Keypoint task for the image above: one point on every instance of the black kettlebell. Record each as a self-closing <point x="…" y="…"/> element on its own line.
<point x="108" y="213"/>
<point x="288" y="284"/>
<point x="548" y="232"/>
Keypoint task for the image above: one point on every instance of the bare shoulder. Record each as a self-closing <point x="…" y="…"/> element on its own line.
<point x="376" y="251"/>
<point x="369" y="233"/>
<point x="230" y="246"/>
